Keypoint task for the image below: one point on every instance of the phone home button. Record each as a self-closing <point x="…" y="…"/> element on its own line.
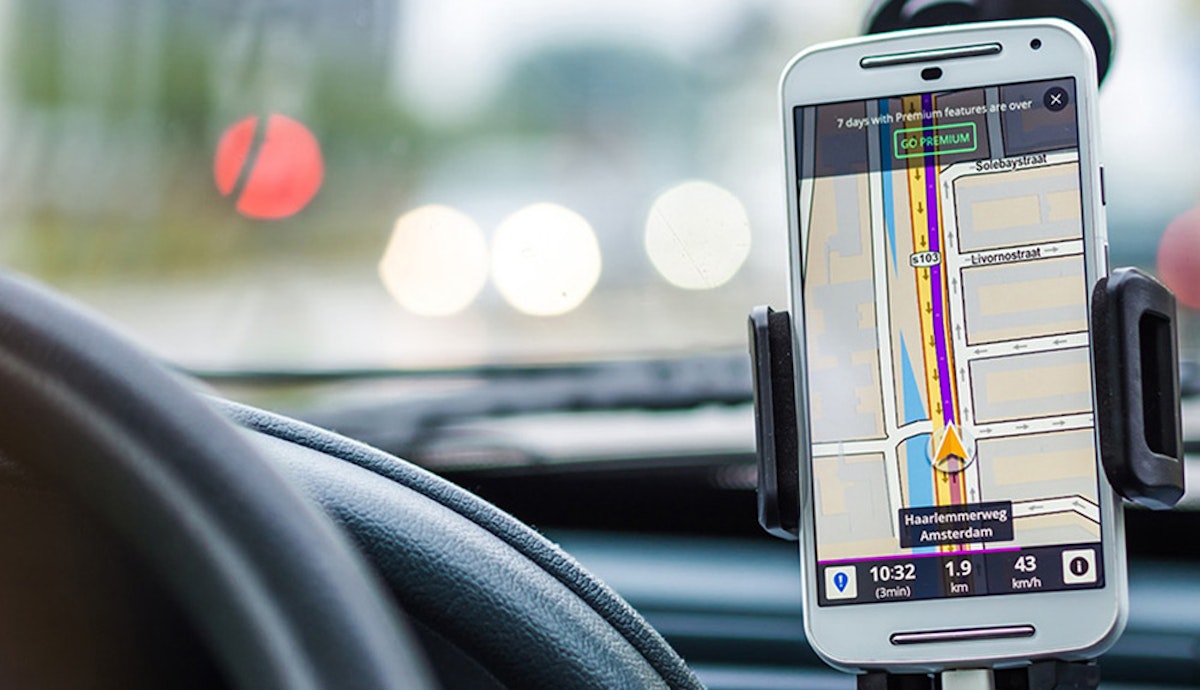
<point x="962" y="635"/>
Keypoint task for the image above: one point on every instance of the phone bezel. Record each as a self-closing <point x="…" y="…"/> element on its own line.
<point x="1069" y="624"/>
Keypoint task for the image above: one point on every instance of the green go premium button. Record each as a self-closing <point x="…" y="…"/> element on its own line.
<point x="939" y="139"/>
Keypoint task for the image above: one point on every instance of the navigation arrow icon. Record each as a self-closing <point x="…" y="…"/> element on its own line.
<point x="950" y="446"/>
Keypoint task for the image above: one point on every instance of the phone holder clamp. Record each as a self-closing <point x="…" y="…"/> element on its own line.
<point x="1135" y="362"/>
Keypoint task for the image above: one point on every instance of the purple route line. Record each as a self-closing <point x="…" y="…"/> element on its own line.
<point x="935" y="271"/>
<point x="911" y="556"/>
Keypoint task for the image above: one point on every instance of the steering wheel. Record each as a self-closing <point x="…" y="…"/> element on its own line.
<point x="272" y="586"/>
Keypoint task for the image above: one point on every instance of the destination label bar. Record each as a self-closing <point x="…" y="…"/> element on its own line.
<point x="960" y="524"/>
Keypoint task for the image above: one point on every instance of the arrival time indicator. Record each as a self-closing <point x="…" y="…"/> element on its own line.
<point x="897" y="571"/>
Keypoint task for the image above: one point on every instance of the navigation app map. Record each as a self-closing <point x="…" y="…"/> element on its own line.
<point x="945" y="316"/>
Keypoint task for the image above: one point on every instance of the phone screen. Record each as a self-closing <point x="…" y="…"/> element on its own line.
<point x="946" y="332"/>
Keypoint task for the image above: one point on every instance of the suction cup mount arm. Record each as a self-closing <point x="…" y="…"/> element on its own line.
<point x="1089" y="15"/>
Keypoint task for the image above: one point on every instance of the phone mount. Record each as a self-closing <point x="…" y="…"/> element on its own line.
<point x="1040" y="675"/>
<point x="1135" y="365"/>
<point x="1089" y="15"/>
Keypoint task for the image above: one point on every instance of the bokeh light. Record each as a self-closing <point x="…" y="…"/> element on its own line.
<point x="1179" y="257"/>
<point x="697" y="235"/>
<point x="436" y="261"/>
<point x="545" y="259"/>
<point x="279" y="175"/>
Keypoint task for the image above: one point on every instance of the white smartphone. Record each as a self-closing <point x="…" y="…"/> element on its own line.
<point x="946" y="225"/>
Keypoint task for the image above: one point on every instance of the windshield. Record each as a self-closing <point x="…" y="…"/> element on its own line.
<point x="327" y="184"/>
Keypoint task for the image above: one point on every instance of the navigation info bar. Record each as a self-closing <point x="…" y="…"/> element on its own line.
<point x="963" y="573"/>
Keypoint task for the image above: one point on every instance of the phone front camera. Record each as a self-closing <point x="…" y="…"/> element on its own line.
<point x="1035" y="43"/>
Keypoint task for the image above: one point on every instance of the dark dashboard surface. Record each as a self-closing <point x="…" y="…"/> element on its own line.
<point x="660" y="504"/>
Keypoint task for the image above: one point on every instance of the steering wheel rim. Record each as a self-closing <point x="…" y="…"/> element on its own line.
<point x="277" y="592"/>
<point x="481" y="579"/>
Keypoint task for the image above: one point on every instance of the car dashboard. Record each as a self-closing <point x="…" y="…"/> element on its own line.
<point x="658" y="501"/>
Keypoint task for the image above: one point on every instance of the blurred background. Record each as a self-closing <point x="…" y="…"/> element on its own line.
<point x="248" y="185"/>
